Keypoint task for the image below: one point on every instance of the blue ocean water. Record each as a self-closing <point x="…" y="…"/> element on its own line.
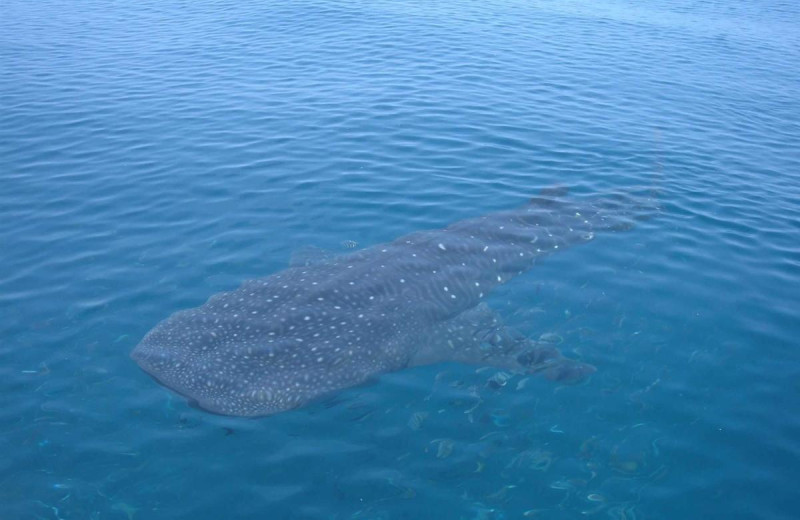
<point x="154" y="153"/>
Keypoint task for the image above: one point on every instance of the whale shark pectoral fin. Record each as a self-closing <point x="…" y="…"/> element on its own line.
<point x="548" y="361"/>
<point x="569" y="371"/>
<point x="469" y="337"/>
<point x="537" y="357"/>
<point x="478" y="336"/>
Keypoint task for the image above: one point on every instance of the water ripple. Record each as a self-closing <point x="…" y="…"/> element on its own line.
<point x="154" y="153"/>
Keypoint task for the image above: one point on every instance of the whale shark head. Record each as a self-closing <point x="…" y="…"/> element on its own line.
<point x="223" y="369"/>
<point x="243" y="354"/>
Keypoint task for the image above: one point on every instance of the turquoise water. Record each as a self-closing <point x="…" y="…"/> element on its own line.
<point x="155" y="153"/>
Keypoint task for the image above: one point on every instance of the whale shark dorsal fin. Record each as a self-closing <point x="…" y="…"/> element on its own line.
<point x="310" y="255"/>
<point x="554" y="191"/>
<point x="548" y="196"/>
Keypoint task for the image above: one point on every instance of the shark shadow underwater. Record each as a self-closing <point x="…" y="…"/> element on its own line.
<point x="279" y="342"/>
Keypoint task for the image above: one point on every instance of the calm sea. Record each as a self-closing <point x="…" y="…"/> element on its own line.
<point x="153" y="153"/>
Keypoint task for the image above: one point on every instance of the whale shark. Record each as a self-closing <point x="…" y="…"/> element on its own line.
<point x="337" y="321"/>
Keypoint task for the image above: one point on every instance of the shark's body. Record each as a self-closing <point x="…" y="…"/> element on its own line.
<point x="279" y="342"/>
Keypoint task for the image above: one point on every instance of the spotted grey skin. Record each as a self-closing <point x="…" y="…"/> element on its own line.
<point x="279" y="342"/>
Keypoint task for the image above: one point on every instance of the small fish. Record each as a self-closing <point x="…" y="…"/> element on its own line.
<point x="501" y="493"/>
<point x="538" y="460"/>
<point x="500" y="418"/>
<point x="444" y="448"/>
<point x="498" y="380"/>
<point x="417" y="419"/>
<point x="622" y="512"/>
<point x="127" y="509"/>
<point x="551" y="337"/>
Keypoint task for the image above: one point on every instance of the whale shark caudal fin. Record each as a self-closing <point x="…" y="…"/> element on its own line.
<point x="478" y="337"/>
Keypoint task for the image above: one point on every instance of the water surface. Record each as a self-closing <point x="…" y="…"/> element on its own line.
<point x="154" y="153"/>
